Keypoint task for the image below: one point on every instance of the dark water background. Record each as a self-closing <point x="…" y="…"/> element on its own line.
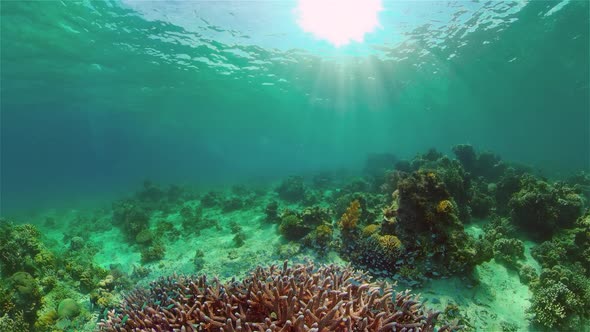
<point x="97" y="96"/>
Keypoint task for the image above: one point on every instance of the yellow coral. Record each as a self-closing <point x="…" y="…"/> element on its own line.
<point x="444" y="207"/>
<point x="350" y="218"/>
<point x="370" y="230"/>
<point x="105" y="300"/>
<point x="324" y="230"/>
<point x="46" y="320"/>
<point x="44" y="258"/>
<point x="389" y="242"/>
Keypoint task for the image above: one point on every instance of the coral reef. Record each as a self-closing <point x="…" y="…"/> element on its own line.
<point x="328" y="298"/>
<point x="350" y="218"/>
<point x="540" y="208"/>
<point x="19" y="245"/>
<point x="508" y="251"/>
<point x="561" y="299"/>
<point x="405" y="220"/>
<point x="486" y="164"/>
<point x="131" y="218"/>
<point x="68" y="308"/>
<point x="561" y="295"/>
<point x="370" y="205"/>
<point x="292" y="189"/>
<point x="15" y="323"/>
<point x="295" y="225"/>
<point x="320" y="238"/>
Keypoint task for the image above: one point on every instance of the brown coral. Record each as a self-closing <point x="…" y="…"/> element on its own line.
<point x="301" y="298"/>
<point x="350" y="218"/>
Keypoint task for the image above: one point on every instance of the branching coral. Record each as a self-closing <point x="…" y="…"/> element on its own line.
<point x="301" y="298"/>
<point x="350" y="218"/>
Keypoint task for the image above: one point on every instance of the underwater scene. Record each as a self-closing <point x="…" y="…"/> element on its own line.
<point x="294" y="165"/>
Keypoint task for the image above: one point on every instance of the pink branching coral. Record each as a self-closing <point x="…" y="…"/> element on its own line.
<point x="301" y="298"/>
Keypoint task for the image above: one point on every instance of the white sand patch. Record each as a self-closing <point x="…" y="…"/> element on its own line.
<point x="115" y="250"/>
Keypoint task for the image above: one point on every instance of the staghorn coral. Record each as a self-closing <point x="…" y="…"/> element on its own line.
<point x="302" y="298"/>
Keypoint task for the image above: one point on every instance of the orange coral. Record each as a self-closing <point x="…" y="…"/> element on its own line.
<point x="350" y="218"/>
<point x="444" y="207"/>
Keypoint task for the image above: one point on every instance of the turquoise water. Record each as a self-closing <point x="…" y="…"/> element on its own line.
<point x="98" y="96"/>
<point x="104" y="94"/>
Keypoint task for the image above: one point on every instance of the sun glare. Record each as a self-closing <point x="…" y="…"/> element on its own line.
<point x="338" y="21"/>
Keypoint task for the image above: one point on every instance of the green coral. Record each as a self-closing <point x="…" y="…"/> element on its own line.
<point x="14" y="323"/>
<point x="527" y="274"/>
<point x="292" y="227"/>
<point x="561" y="297"/>
<point x="68" y="308"/>
<point x="541" y="208"/>
<point x="131" y="218"/>
<point x="509" y="251"/>
<point x="152" y="253"/>
<point x="19" y="245"/>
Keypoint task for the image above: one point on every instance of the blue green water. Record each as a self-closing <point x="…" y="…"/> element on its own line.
<point x="141" y="139"/>
<point x="97" y="96"/>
